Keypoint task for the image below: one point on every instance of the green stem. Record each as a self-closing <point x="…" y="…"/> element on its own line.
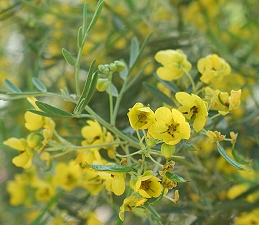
<point x="112" y="116"/>
<point x="190" y="78"/>
<point x="215" y="116"/>
<point x="113" y="129"/>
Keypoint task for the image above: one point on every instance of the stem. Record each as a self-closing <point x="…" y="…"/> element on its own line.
<point x="215" y="116"/>
<point x="112" y="116"/>
<point x="113" y="129"/>
<point x="190" y="78"/>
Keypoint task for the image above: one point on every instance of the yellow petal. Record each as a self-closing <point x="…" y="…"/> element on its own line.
<point x="15" y="143"/>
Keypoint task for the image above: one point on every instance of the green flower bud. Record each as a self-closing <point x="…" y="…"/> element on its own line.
<point x="112" y="67"/>
<point x="101" y="68"/>
<point x="167" y="150"/>
<point x="33" y="140"/>
<point x="102" y="84"/>
<point x="120" y="66"/>
<point x="151" y="142"/>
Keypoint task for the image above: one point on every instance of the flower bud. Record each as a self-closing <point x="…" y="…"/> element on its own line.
<point x="151" y="142"/>
<point x="33" y="140"/>
<point x="102" y="84"/>
<point x="120" y="66"/>
<point x="167" y="150"/>
<point x="112" y="67"/>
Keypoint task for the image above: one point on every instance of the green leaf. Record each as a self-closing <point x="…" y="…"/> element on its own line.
<point x="95" y="16"/>
<point x="112" y="168"/>
<point x="188" y="146"/>
<point x="124" y="73"/>
<point x="175" y="177"/>
<point x="39" y="85"/>
<point x="115" y="92"/>
<point x="238" y="158"/>
<point x="224" y="154"/>
<point x="168" y="84"/>
<point x="158" y="94"/>
<point x="80" y="37"/>
<point x="37" y="221"/>
<point x="159" y="199"/>
<point x="41" y="113"/>
<point x="134" y="51"/>
<point x="70" y="60"/>
<point x="24" y="93"/>
<point x="86" y="91"/>
<point x="11" y="86"/>
<point x="84" y="20"/>
<point x="51" y="110"/>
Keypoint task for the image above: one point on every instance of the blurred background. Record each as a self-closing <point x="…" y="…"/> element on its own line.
<point x="33" y="32"/>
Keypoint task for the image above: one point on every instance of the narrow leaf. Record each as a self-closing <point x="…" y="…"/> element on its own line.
<point x="80" y="37"/>
<point x="38" y="84"/>
<point x="224" y="154"/>
<point x="159" y="94"/>
<point x="124" y="73"/>
<point x="84" y="20"/>
<point x="11" y="86"/>
<point x="134" y="51"/>
<point x="79" y="106"/>
<point x="96" y="16"/>
<point x="115" y="92"/>
<point x="140" y="72"/>
<point x="188" y="146"/>
<point x="175" y="177"/>
<point x="37" y="221"/>
<point x="41" y="113"/>
<point x="70" y="60"/>
<point x="168" y="84"/>
<point x="53" y="110"/>
<point x="238" y="158"/>
<point x="140" y="52"/>
<point x="159" y="199"/>
<point x="91" y="88"/>
<point x="112" y="168"/>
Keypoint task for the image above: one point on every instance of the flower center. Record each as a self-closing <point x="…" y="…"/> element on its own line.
<point x="142" y="118"/>
<point x="171" y="129"/>
<point x="145" y="185"/>
<point x="194" y="111"/>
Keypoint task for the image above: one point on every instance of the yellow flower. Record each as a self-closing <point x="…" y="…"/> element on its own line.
<point x="111" y="149"/>
<point x="67" y="176"/>
<point x="93" y="133"/>
<point x="213" y="69"/>
<point x="24" y="159"/>
<point x="169" y="126"/>
<point x="91" y="181"/>
<point x="45" y="191"/>
<point x="221" y="101"/>
<point x="129" y="204"/>
<point x="146" y="185"/>
<point x="17" y="190"/>
<point x="215" y="136"/>
<point x="33" y="121"/>
<point x="193" y="108"/>
<point x="174" y="64"/>
<point x="248" y="218"/>
<point x="140" y="117"/>
<point x="115" y="181"/>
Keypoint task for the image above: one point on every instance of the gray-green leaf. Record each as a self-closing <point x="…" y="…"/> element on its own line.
<point x="39" y="85"/>
<point x="224" y="154"/>
<point x="70" y="60"/>
<point x="11" y="86"/>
